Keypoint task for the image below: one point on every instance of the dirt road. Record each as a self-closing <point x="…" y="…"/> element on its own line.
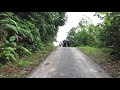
<point x="68" y="62"/>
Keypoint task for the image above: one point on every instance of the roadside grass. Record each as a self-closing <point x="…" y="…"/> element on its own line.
<point x="23" y="67"/>
<point x="103" y="57"/>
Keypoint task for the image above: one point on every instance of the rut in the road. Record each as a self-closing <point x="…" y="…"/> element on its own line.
<point x="68" y="62"/>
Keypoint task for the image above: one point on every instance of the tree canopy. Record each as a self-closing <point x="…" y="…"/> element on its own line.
<point x="106" y="34"/>
<point x="24" y="32"/>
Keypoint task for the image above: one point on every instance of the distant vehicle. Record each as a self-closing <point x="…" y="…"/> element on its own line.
<point x="66" y="43"/>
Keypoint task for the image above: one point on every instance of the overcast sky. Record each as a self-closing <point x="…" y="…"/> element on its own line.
<point x="72" y="21"/>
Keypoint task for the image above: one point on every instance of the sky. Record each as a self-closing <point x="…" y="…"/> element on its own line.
<point x="72" y="21"/>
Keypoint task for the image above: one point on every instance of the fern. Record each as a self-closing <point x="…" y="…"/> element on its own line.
<point x="10" y="48"/>
<point x="25" y="49"/>
<point x="3" y="15"/>
<point x="9" y="27"/>
<point x="29" y="30"/>
<point x="13" y="22"/>
<point x="22" y="32"/>
<point x="10" y="56"/>
<point x="4" y="21"/>
<point x="24" y="63"/>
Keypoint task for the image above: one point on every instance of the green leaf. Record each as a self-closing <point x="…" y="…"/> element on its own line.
<point x="13" y="43"/>
<point x="9" y="55"/>
<point x="108" y="23"/>
<point x="12" y="38"/>
<point x="24" y="63"/>
<point x="25" y="49"/>
<point x="7" y="41"/>
<point x="103" y="12"/>
<point x="10" y="49"/>
<point x="15" y="23"/>
<point x="10" y="27"/>
<point x="3" y="14"/>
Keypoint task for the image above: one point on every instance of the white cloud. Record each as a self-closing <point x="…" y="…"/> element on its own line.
<point x="73" y="20"/>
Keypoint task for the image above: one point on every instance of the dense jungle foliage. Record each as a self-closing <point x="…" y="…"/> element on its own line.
<point x="22" y="33"/>
<point x="102" y="35"/>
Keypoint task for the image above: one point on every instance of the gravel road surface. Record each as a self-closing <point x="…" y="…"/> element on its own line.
<point x="68" y="62"/>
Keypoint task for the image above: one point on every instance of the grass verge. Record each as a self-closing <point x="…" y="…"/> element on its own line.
<point x="102" y="57"/>
<point x="23" y="67"/>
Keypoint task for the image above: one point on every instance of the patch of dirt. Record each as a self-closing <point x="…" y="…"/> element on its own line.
<point x="112" y="67"/>
<point x="8" y="71"/>
<point x="109" y="65"/>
